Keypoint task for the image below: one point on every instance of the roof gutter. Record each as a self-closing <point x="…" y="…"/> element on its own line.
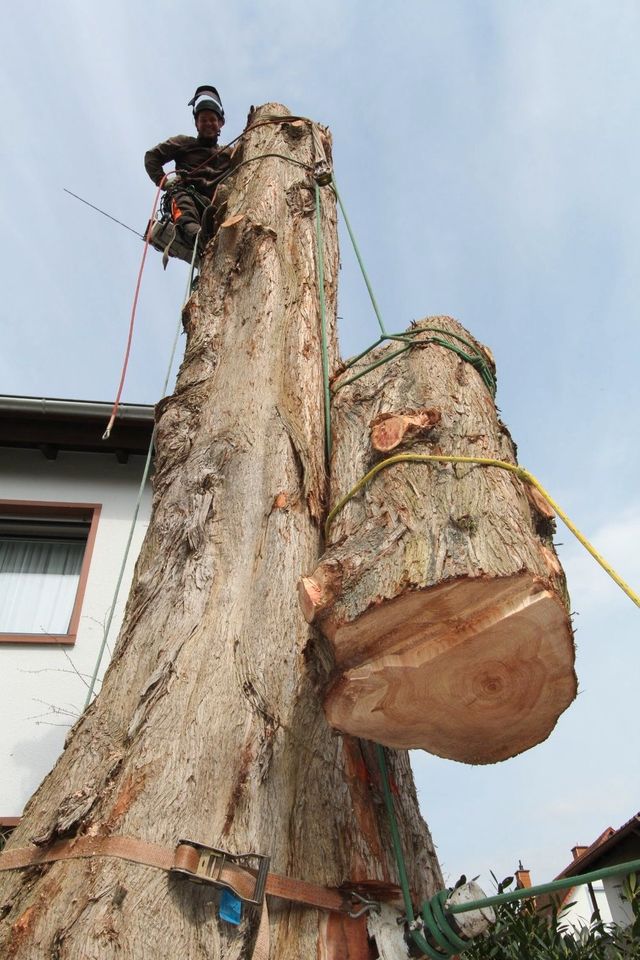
<point x="52" y="407"/>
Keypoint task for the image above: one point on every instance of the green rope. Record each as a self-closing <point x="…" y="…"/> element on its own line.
<point x="410" y="338"/>
<point x="354" y="360"/>
<point x="417" y="937"/>
<point x="370" y="367"/>
<point x="476" y="359"/>
<point x="434" y="912"/>
<point x="395" y="834"/>
<point x="356" y="250"/>
<point x="323" y="324"/>
<point x="141" y="489"/>
<point x="260" y="156"/>
<point x="439" y="927"/>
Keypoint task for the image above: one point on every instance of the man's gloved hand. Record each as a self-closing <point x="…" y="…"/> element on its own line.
<point x="172" y="181"/>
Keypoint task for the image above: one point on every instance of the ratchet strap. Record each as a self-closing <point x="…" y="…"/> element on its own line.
<point x="187" y="859"/>
<point x="246" y="875"/>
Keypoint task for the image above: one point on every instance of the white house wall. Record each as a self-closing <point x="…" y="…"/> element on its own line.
<point x="580" y="911"/>
<point x="620" y="910"/>
<point x="41" y="694"/>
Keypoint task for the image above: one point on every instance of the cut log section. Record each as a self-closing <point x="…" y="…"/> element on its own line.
<point x="440" y="592"/>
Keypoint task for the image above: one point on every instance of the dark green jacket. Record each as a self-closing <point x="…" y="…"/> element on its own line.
<point x="198" y="160"/>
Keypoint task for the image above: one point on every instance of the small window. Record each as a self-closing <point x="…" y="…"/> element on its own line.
<point x="45" y="551"/>
<point x="7" y="826"/>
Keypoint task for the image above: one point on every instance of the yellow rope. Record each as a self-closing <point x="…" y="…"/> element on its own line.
<point x="519" y="472"/>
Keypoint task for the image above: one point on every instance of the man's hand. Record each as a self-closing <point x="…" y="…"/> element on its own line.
<point x="172" y="181"/>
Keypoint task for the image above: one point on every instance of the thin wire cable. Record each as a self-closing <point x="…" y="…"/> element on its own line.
<point x="141" y="489"/>
<point x="104" y="213"/>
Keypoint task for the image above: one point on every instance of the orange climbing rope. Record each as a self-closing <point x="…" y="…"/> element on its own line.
<point x="134" y="307"/>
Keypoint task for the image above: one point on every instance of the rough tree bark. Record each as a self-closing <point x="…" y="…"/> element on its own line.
<point x="440" y="593"/>
<point x="208" y="724"/>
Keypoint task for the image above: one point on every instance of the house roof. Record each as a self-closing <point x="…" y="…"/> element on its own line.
<point x="611" y="847"/>
<point x="51" y="424"/>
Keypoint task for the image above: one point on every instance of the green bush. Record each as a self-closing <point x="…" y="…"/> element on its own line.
<point x="522" y="934"/>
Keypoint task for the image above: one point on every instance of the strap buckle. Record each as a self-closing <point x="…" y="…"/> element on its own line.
<point x="216" y="866"/>
<point x="361" y="905"/>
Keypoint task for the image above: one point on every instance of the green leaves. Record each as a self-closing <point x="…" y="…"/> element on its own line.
<point x="522" y="934"/>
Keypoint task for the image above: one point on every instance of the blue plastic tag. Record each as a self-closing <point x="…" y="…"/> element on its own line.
<point x="230" y="908"/>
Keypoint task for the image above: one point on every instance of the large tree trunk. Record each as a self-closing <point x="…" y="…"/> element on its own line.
<point x="208" y="725"/>
<point x="440" y="593"/>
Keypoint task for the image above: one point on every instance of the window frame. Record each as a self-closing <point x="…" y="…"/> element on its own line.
<point x="64" y="510"/>
<point x="7" y="826"/>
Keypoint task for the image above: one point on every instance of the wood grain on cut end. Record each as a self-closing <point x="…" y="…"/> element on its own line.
<point x="310" y="597"/>
<point x="317" y="592"/>
<point x="474" y="670"/>
<point x="389" y="430"/>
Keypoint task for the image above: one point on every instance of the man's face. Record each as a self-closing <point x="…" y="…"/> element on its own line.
<point x="208" y="123"/>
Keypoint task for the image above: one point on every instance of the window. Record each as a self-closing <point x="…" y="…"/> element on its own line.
<point x="45" y="552"/>
<point x="7" y="826"/>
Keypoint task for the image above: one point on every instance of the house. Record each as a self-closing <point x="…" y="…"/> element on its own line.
<point x="67" y="500"/>
<point x="603" y="897"/>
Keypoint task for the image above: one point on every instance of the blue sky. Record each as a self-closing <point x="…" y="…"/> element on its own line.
<point x="487" y="153"/>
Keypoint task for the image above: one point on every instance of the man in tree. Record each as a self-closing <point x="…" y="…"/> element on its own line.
<point x="199" y="164"/>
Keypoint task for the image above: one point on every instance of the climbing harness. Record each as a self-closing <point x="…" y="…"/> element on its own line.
<point x="163" y="231"/>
